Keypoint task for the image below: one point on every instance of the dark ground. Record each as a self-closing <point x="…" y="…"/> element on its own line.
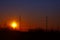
<point x="6" y="34"/>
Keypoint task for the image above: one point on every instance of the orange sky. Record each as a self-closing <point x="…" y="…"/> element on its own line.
<point x="35" y="23"/>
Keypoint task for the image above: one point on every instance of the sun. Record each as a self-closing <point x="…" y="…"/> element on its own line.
<point x="14" y="25"/>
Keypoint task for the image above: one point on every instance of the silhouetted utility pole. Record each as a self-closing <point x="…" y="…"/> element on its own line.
<point x="20" y="21"/>
<point x="30" y="25"/>
<point x="58" y="24"/>
<point x="46" y="23"/>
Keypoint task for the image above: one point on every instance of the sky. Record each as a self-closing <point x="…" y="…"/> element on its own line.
<point x="31" y="11"/>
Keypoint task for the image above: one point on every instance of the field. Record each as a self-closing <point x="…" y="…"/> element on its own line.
<point x="6" y="34"/>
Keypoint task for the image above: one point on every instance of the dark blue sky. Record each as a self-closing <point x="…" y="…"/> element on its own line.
<point x="30" y="9"/>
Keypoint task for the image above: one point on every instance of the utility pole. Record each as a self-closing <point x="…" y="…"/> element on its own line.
<point x="46" y="23"/>
<point x="20" y="21"/>
<point x="58" y="24"/>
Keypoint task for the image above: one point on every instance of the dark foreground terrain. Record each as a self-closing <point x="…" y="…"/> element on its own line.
<point x="39" y="34"/>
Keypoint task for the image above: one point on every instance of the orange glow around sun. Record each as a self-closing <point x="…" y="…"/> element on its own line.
<point x="14" y="24"/>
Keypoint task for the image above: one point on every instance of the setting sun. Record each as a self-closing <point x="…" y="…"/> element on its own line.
<point x="14" y="25"/>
